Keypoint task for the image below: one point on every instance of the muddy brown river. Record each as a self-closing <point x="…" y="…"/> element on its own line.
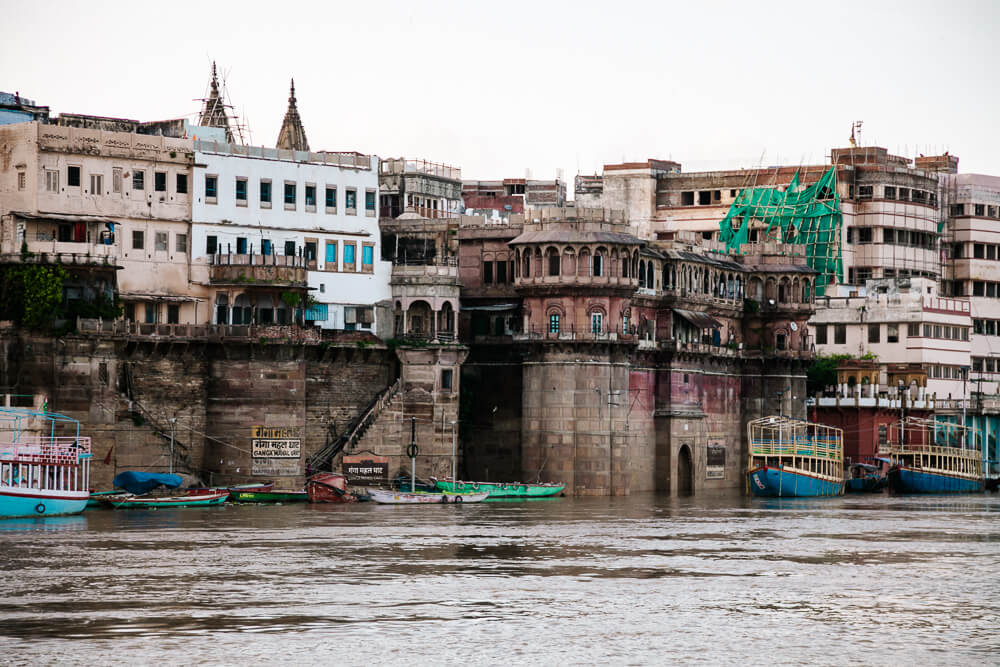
<point x="640" y="580"/>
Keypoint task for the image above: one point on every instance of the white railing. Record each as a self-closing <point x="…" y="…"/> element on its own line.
<point x="64" y="450"/>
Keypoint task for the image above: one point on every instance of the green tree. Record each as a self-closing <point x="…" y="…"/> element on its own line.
<point x="32" y="294"/>
<point x="823" y="372"/>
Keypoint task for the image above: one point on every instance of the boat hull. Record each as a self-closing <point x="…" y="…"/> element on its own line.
<point x="501" y="489"/>
<point x="773" y="482"/>
<point x="328" y="488"/>
<point x="903" y="479"/>
<point x="31" y="503"/>
<point x="865" y="484"/>
<point x="171" y="501"/>
<point x="269" y="497"/>
<point x="429" y="498"/>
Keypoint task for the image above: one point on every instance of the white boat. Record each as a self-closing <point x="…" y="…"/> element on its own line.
<point x="42" y="474"/>
<point x="424" y="497"/>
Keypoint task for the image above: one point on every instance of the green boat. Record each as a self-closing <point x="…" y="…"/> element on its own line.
<point x="238" y="496"/>
<point x="501" y="489"/>
<point x="150" y="502"/>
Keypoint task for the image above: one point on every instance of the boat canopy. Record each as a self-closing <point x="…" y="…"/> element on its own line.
<point x="144" y="482"/>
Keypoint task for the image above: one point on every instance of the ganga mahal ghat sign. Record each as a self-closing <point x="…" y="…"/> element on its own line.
<point x="275" y="451"/>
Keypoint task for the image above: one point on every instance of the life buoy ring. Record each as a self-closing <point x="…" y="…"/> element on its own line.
<point x="444" y="499"/>
<point x="458" y="499"/>
<point x="40" y="508"/>
<point x="475" y="486"/>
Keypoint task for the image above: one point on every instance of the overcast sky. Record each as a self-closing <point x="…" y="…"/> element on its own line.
<point x="502" y="88"/>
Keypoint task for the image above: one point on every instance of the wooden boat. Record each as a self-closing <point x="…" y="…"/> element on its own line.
<point x="864" y="478"/>
<point x="269" y="497"/>
<point x="41" y="474"/>
<point x="148" y="502"/>
<point x="922" y="464"/>
<point x="424" y="497"/>
<point x="329" y="487"/>
<point x="99" y="498"/>
<point x="501" y="489"/>
<point x="791" y="458"/>
<point x="253" y="486"/>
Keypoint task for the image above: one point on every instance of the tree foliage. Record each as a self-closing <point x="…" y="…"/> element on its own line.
<point x="823" y="372"/>
<point x="31" y="294"/>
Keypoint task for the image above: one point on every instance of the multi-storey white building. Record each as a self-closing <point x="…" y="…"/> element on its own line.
<point x="263" y="207"/>
<point x="899" y="321"/>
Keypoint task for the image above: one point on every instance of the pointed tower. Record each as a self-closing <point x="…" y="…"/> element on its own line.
<point x="292" y="135"/>
<point x="213" y="113"/>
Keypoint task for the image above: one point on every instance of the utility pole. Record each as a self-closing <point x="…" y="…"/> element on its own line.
<point x="173" y="422"/>
<point x="454" y="449"/>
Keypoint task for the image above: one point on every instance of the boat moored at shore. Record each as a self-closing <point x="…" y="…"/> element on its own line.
<point x="928" y="460"/>
<point x="501" y="489"/>
<point x="791" y="458"/>
<point x="42" y="474"/>
<point x="389" y="497"/>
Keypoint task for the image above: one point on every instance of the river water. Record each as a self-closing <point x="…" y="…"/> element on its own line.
<point x="638" y="580"/>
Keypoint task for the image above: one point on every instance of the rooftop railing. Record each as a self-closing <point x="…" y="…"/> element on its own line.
<point x="59" y="450"/>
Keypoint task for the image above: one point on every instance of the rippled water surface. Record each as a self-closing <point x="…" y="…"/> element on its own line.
<point x="638" y="580"/>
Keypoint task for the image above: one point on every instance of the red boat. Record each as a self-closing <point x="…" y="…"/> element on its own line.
<point x="328" y="487"/>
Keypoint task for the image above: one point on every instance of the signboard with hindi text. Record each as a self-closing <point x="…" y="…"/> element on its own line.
<point x="275" y="442"/>
<point x="276" y="451"/>
<point x="365" y="468"/>
<point x="715" y="462"/>
<point x="275" y="468"/>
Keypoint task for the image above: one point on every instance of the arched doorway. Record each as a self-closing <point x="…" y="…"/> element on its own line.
<point x="685" y="472"/>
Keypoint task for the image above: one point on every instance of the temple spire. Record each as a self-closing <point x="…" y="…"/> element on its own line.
<point x="213" y="113"/>
<point x="292" y="135"/>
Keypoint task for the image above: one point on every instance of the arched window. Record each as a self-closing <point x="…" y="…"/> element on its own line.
<point x="806" y="293"/>
<point x="554" y="315"/>
<point x="526" y="261"/>
<point x="642" y="273"/>
<point x="598" y="262"/>
<point x="583" y="265"/>
<point x="553" y="256"/>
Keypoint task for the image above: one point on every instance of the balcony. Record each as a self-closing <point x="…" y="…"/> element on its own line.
<point x="277" y="333"/>
<point x="442" y="270"/>
<point x="258" y="270"/>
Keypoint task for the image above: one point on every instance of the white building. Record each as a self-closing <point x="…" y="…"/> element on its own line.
<point x="900" y="321"/>
<point x="258" y="206"/>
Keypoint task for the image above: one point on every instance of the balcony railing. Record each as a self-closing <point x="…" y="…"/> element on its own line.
<point x="289" y="333"/>
<point x="264" y="270"/>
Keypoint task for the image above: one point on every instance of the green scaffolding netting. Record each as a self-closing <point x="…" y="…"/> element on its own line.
<point x="803" y="215"/>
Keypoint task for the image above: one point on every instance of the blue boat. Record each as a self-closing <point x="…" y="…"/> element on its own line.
<point x="864" y="478"/>
<point x="42" y="474"/>
<point x="790" y="458"/>
<point x="923" y="465"/>
<point x="905" y="479"/>
<point x="784" y="483"/>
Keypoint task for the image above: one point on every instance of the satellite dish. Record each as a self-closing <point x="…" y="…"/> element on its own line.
<point x="794" y="326"/>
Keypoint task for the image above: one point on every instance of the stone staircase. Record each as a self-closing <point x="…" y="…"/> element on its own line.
<point x="351" y="438"/>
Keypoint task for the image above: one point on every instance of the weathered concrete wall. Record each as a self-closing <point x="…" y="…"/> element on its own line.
<point x="575" y="421"/>
<point x="422" y="412"/>
<point x="126" y="393"/>
<point x="491" y="414"/>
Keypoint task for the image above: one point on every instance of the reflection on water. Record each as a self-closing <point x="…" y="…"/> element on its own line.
<point x="636" y="580"/>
